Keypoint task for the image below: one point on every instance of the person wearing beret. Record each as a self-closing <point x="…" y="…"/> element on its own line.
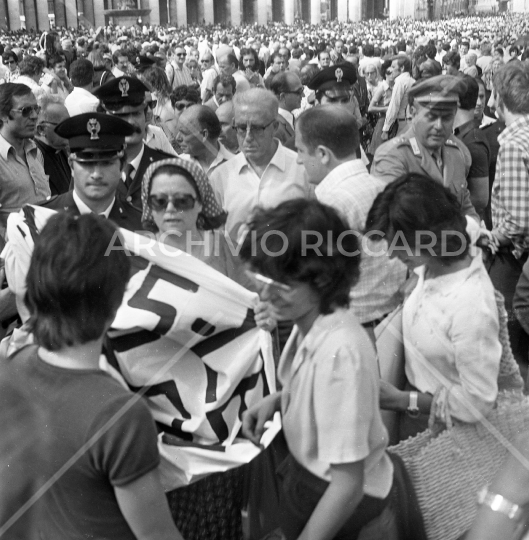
<point x="124" y="98"/>
<point x="428" y="147"/>
<point x="97" y="145"/>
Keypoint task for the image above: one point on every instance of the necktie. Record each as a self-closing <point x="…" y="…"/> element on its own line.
<point x="438" y="160"/>
<point x="128" y="172"/>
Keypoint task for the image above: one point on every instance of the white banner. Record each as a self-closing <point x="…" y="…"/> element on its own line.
<point x="184" y="336"/>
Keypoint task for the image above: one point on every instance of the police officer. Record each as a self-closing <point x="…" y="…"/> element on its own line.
<point x="124" y="98"/>
<point x="335" y="85"/>
<point x="429" y="147"/>
<point x="97" y="145"/>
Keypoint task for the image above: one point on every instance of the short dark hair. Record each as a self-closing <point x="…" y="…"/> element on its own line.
<point x="7" y="55"/>
<point x="81" y="72"/>
<point x="31" y="66"/>
<point x="468" y="96"/>
<point x="386" y="64"/>
<point x="403" y="61"/>
<point x="452" y="58"/>
<point x="55" y="59"/>
<point x="333" y="126"/>
<point x="185" y="92"/>
<point x="7" y="92"/>
<point x="330" y="270"/>
<point x="75" y="283"/>
<point x="511" y="84"/>
<point x="118" y="54"/>
<point x="231" y="58"/>
<point x="279" y="83"/>
<point x="414" y="204"/>
<point x="207" y="119"/>
<point x="368" y="50"/>
<point x="225" y="80"/>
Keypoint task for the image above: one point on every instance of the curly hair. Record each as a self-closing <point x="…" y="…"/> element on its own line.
<point x="188" y="93"/>
<point x="158" y="81"/>
<point x="281" y="245"/>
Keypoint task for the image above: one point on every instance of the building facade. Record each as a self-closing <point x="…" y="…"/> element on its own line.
<point x="46" y="14"/>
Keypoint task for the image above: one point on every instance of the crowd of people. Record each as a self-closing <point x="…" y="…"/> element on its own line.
<point x="342" y="173"/>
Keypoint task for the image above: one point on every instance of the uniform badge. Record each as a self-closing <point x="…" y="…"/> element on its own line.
<point x="415" y="146"/>
<point x="93" y="127"/>
<point x="124" y="87"/>
<point x="339" y="75"/>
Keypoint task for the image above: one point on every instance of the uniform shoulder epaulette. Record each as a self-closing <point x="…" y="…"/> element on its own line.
<point x="47" y="201"/>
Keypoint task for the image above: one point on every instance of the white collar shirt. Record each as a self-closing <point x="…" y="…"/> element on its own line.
<point x="84" y="209"/>
<point x="239" y="189"/>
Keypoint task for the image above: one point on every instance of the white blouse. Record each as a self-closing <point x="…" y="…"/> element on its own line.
<point x="451" y="339"/>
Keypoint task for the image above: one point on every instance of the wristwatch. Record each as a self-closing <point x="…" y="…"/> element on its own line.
<point x="498" y="503"/>
<point x="413" y="408"/>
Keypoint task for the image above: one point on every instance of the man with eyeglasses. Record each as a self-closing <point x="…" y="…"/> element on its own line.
<point x="21" y="164"/>
<point x="264" y="173"/>
<point x="54" y="148"/>
<point x="125" y="98"/>
<point x="10" y="60"/>
<point x="288" y="89"/>
<point x="181" y="74"/>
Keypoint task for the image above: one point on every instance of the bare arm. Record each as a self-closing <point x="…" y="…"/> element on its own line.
<point x="377" y="96"/>
<point x="479" y="193"/>
<point x="145" y="508"/>
<point x="512" y="482"/>
<point x="337" y="503"/>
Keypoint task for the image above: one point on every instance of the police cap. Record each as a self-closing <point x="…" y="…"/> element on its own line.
<point x="95" y="136"/>
<point x="440" y="92"/>
<point x="123" y="94"/>
<point x="334" y="81"/>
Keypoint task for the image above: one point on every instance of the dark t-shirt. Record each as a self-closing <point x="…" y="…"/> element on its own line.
<point x="98" y="439"/>
<point x="479" y="149"/>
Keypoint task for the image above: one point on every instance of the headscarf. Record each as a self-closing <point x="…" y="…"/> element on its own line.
<point x="210" y="217"/>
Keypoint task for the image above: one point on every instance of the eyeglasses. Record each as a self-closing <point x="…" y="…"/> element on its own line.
<point x="9" y="62"/>
<point x="204" y="61"/>
<point x="245" y="129"/>
<point x="152" y="104"/>
<point x="262" y="281"/>
<point x="181" y="202"/>
<point x="181" y="105"/>
<point x="27" y="110"/>
<point x="298" y="92"/>
<point x="181" y="54"/>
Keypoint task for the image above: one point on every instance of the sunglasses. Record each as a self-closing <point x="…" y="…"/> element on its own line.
<point x="298" y="92"/>
<point x="181" y="105"/>
<point x="152" y="104"/>
<point x="262" y="281"/>
<point x="181" y="54"/>
<point x="181" y="202"/>
<point x="27" y="110"/>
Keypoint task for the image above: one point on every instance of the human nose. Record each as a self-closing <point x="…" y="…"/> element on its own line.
<point x="438" y="123"/>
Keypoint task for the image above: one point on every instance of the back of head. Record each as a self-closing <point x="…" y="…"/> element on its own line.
<point x="204" y="118"/>
<point x="81" y="72"/>
<point x="511" y="84"/>
<point x="31" y="66"/>
<point x="415" y="206"/>
<point x="76" y="280"/>
<point x="281" y="82"/>
<point x="332" y="126"/>
<point x="264" y="98"/>
<point x="452" y="58"/>
<point x="468" y="96"/>
<point x="287" y="231"/>
<point x="369" y="50"/>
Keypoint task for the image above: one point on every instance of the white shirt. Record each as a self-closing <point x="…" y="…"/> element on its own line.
<point x="222" y="156"/>
<point x="451" y="330"/>
<point x="351" y="190"/>
<point x="84" y="209"/>
<point x="80" y="101"/>
<point x="330" y="401"/>
<point x="239" y="189"/>
<point x="135" y="163"/>
<point x="399" y="100"/>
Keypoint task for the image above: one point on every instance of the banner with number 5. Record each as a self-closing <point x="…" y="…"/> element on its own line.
<point x="184" y="337"/>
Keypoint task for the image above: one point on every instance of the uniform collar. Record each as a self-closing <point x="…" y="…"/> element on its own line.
<point x="84" y="209"/>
